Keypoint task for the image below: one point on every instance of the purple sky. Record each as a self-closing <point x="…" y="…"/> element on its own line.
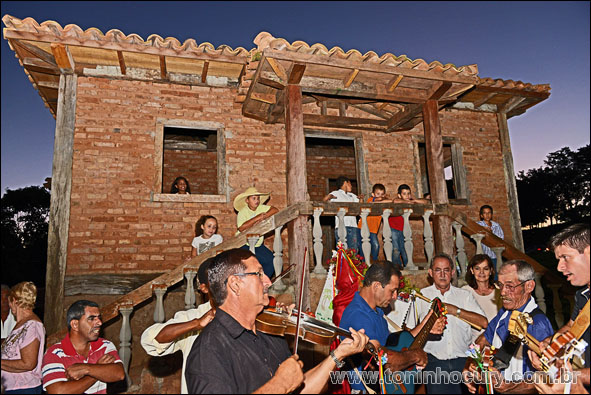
<point x="535" y="42"/>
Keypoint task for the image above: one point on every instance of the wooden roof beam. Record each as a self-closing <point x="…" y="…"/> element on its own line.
<point x="35" y="51"/>
<point x="439" y="89"/>
<point x="63" y="58"/>
<point x="402" y="117"/>
<point x="40" y="66"/>
<point x="268" y="98"/>
<point x="296" y="73"/>
<point x="350" y="78"/>
<point x="368" y="108"/>
<point x="48" y="84"/>
<point x="478" y="103"/>
<point x="121" y="62"/>
<point x="344" y="122"/>
<point x="510" y="104"/>
<point x="204" y="72"/>
<point x="163" y="71"/>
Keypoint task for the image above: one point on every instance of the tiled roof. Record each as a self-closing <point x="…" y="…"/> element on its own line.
<point x="116" y="36"/>
<point x="510" y="84"/>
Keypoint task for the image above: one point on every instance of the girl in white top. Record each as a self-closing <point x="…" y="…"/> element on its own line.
<point x="480" y="278"/>
<point x="206" y="235"/>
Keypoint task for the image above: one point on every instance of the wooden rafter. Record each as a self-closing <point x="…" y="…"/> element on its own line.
<point x="406" y="114"/>
<point x="368" y="108"/>
<point x="268" y="98"/>
<point x="296" y="73"/>
<point x="478" y="103"/>
<point x="63" y="58"/>
<point x="163" y="71"/>
<point x="48" y="84"/>
<point x="277" y="69"/>
<point x="439" y="90"/>
<point x="271" y="83"/>
<point x="350" y="78"/>
<point x="510" y="104"/>
<point x="393" y="83"/>
<point x="121" y="62"/>
<point x="204" y="72"/>
<point x="40" y="66"/>
<point x="344" y="122"/>
<point x="35" y="51"/>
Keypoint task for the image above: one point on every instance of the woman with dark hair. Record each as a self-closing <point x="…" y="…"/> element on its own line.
<point x="480" y="277"/>
<point x="22" y="351"/>
<point x="180" y="186"/>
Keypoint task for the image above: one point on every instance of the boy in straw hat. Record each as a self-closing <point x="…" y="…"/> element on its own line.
<point x="251" y="212"/>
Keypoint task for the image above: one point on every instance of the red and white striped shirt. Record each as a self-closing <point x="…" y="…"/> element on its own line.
<point x="63" y="354"/>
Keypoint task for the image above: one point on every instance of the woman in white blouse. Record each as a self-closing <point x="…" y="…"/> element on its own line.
<point x="480" y="278"/>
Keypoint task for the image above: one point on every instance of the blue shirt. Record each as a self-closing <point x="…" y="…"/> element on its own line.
<point x="540" y="329"/>
<point x="359" y="314"/>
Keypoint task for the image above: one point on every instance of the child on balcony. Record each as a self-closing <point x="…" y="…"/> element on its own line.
<point x="251" y="211"/>
<point x="205" y="235"/>
<point x="378" y="195"/>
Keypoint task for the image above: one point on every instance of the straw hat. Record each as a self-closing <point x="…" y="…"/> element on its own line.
<point x="240" y="200"/>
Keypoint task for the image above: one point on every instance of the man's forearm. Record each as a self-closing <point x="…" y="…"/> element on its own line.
<point x="583" y="375"/>
<point x="107" y="373"/>
<point x="71" y="386"/>
<point x="316" y="378"/>
<point x="173" y="331"/>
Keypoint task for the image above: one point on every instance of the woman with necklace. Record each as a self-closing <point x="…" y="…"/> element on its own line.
<point x="480" y="278"/>
<point x="22" y="351"/>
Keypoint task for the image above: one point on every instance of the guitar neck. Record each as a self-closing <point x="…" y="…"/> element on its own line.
<point x="581" y="322"/>
<point x="421" y="338"/>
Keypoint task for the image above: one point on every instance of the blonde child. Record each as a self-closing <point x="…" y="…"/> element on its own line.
<point x="205" y="235"/>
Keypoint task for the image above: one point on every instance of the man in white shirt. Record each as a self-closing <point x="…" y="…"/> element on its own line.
<point x="8" y="320"/>
<point x="447" y="352"/>
<point x="180" y="332"/>
<point x="344" y="194"/>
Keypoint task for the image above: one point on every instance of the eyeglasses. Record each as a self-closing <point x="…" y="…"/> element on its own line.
<point x="510" y="288"/>
<point x="260" y="273"/>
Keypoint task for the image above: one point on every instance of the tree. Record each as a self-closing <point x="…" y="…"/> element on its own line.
<point x="25" y="216"/>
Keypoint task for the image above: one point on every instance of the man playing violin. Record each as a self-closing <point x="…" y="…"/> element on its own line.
<point x="516" y="283"/>
<point x="571" y="248"/>
<point x="380" y="287"/>
<point x="231" y="356"/>
<point x="180" y="332"/>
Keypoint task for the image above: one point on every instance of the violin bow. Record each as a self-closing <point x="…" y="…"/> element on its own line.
<point x="301" y="296"/>
<point x="283" y="274"/>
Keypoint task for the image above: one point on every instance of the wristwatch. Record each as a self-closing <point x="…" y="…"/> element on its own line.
<point x="458" y="312"/>
<point x="337" y="361"/>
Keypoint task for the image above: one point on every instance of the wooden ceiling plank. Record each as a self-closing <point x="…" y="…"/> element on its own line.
<point x="40" y="66"/>
<point x="204" y="72"/>
<point x="393" y="83"/>
<point x="63" y="58"/>
<point x="366" y="66"/>
<point x="163" y="72"/>
<point x="41" y="54"/>
<point x="510" y="104"/>
<point x="368" y="108"/>
<point x="48" y="84"/>
<point x="405" y="115"/>
<point x="350" y="78"/>
<point x="296" y="73"/>
<point x="268" y="98"/>
<point x="122" y="46"/>
<point x="277" y="68"/>
<point x="478" y="103"/>
<point x="121" y="62"/>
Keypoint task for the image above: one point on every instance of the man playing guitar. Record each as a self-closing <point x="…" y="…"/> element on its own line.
<point x="571" y="248"/>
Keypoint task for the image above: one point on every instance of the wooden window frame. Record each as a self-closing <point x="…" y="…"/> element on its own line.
<point x="223" y="195"/>
<point x="458" y="168"/>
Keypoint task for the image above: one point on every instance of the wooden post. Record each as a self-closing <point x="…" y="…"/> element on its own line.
<point x="59" y="211"/>
<point x="510" y="183"/>
<point x="296" y="182"/>
<point x="435" y="168"/>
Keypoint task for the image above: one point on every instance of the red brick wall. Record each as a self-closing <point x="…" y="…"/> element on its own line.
<point x="198" y="167"/>
<point x="324" y="162"/>
<point x="115" y="226"/>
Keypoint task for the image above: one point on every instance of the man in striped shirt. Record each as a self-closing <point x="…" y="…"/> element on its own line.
<point x="82" y="362"/>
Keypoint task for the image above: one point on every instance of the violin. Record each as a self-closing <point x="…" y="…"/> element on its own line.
<point x="277" y="322"/>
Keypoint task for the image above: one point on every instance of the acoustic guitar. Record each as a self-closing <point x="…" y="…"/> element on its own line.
<point x="566" y="346"/>
<point x="403" y="341"/>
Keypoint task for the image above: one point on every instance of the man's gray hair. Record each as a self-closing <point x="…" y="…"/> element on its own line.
<point x="525" y="271"/>
<point x="449" y="259"/>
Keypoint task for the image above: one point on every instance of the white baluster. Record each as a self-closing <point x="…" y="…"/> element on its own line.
<point x="557" y="303"/>
<point x="342" y="230"/>
<point x="125" y="339"/>
<point x="365" y="244"/>
<point x="252" y="241"/>
<point x="408" y="246"/>
<point x="499" y="253"/>
<point x="387" y="234"/>
<point x="477" y="237"/>
<point x="318" y="247"/>
<point x="278" y="259"/>
<point x="190" y="290"/>
<point x="461" y="253"/>
<point x="539" y="292"/>
<point x="428" y="235"/>
<point x="159" y="290"/>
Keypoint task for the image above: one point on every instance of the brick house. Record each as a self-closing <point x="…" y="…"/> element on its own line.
<point x="289" y="118"/>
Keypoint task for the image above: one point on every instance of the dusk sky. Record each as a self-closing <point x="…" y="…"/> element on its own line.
<point x="535" y="42"/>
